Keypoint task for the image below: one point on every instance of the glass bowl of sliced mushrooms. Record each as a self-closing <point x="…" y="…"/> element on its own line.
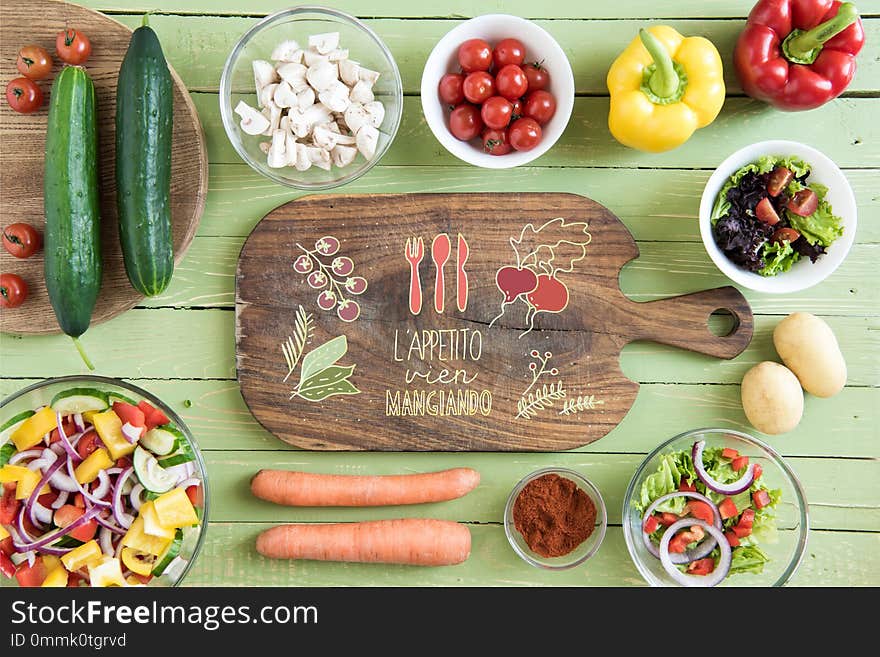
<point x="311" y="98"/>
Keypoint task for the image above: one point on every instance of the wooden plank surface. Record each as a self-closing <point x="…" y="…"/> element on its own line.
<point x="181" y="346"/>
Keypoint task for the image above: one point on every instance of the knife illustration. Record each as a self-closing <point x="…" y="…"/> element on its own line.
<point x="461" y="297"/>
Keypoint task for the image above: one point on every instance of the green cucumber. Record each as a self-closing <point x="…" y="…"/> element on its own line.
<point x="80" y="400"/>
<point x="152" y="475"/>
<point x="72" y="253"/>
<point x="117" y="397"/>
<point x="162" y="440"/>
<point x="184" y="454"/>
<point x="144" y="109"/>
<point x="169" y="554"/>
<point x="6" y="453"/>
<point x="67" y="542"/>
<point x="12" y="423"/>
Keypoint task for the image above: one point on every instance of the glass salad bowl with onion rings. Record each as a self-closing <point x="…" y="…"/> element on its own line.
<point x="102" y="485"/>
<point x="715" y="507"/>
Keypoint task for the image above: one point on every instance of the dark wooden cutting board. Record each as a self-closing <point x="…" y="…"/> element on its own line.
<point x="543" y="376"/>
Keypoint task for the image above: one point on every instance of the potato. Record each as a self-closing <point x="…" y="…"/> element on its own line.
<point x="772" y="398"/>
<point x="806" y="344"/>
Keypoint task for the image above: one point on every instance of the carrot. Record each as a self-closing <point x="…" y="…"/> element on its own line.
<point x="309" y="489"/>
<point x="412" y="541"/>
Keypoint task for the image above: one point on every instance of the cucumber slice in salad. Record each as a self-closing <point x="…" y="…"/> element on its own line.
<point x="184" y="454"/>
<point x="152" y="475"/>
<point x="12" y="424"/>
<point x="169" y="554"/>
<point x="117" y="397"/>
<point x="6" y="453"/>
<point x="80" y="400"/>
<point x="162" y="440"/>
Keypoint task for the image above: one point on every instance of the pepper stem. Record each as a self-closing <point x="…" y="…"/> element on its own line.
<point x="804" y="47"/>
<point x="664" y="80"/>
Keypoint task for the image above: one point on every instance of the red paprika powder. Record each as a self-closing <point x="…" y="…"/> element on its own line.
<point x="553" y="515"/>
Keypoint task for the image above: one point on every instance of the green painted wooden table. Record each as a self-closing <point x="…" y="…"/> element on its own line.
<point x="181" y="345"/>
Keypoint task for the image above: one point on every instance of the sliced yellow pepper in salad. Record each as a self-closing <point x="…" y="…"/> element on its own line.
<point x="663" y="87"/>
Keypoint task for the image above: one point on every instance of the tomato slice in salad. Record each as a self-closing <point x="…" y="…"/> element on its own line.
<point x="31" y="576"/>
<point x="701" y="566"/>
<point x="8" y="504"/>
<point x="6" y="566"/>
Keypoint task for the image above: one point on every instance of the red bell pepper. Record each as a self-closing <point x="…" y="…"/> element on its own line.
<point x="798" y="54"/>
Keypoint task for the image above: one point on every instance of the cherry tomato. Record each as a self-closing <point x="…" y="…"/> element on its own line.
<point x="465" y="122"/>
<point x="804" y="202"/>
<point x="13" y="290"/>
<point x="475" y="55"/>
<point x="540" y="105"/>
<point x="509" y="51"/>
<point x="511" y="82"/>
<point x="785" y="235"/>
<point x="73" y="46"/>
<point x="34" y="62"/>
<point x="478" y="87"/>
<point x="495" y="142"/>
<point x="524" y="134"/>
<point x="496" y="112"/>
<point x="24" y="95"/>
<point x="516" y="110"/>
<point x="21" y="240"/>
<point x="537" y="76"/>
<point x="450" y="89"/>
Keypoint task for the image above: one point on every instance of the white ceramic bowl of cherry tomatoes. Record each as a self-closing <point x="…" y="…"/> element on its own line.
<point x="497" y="91"/>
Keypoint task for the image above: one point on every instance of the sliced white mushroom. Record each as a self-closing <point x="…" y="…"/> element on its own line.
<point x="349" y="71"/>
<point x="321" y="76"/>
<point x="277" y="156"/>
<point x="252" y="121"/>
<point x="284" y="95"/>
<point x="376" y="111"/>
<point x="324" y="137"/>
<point x="264" y="73"/>
<point x="298" y="123"/>
<point x="294" y="74"/>
<point x="367" y="75"/>
<point x="335" y="97"/>
<point x="284" y="123"/>
<point x="302" y="161"/>
<point x="316" y="115"/>
<point x="356" y="117"/>
<point x="312" y="58"/>
<point x="273" y="113"/>
<point x="264" y="146"/>
<point x="319" y="157"/>
<point x="290" y="148"/>
<point x="338" y="55"/>
<point x="362" y="92"/>
<point x="342" y="155"/>
<point x="287" y="51"/>
<point x="267" y="95"/>
<point x="305" y="98"/>
<point x="367" y="138"/>
<point x="324" y="43"/>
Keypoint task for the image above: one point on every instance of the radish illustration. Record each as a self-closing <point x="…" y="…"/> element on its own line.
<point x="513" y="282"/>
<point x="549" y="296"/>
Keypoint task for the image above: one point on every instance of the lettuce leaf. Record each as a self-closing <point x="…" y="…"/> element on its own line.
<point x="662" y="482"/>
<point x="747" y="559"/>
<point x="765" y="164"/>
<point x="822" y="227"/>
<point x="779" y="256"/>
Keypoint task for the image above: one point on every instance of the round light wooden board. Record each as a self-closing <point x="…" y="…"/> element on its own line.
<point x="22" y="156"/>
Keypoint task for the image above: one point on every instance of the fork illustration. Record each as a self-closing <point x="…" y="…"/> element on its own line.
<point x="414" y="251"/>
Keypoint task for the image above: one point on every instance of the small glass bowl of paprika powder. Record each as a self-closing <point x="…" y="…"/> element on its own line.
<point x="555" y="519"/>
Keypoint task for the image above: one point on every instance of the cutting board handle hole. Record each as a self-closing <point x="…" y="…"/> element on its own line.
<point x="723" y="323"/>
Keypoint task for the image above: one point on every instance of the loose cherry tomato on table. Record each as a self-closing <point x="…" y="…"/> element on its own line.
<point x="495" y="142"/>
<point x="21" y="240"/>
<point x="478" y="87"/>
<point x="450" y="89"/>
<point x="509" y="51"/>
<point x="524" y="134"/>
<point x="540" y="105"/>
<point x="475" y="55"/>
<point x="465" y="122"/>
<point x="24" y="95"/>
<point x="34" y="62"/>
<point x="73" y="46"/>
<point x="511" y="82"/>
<point x="13" y="290"/>
<point x="537" y="76"/>
<point x="496" y="112"/>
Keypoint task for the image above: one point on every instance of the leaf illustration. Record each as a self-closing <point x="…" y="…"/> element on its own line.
<point x="582" y="403"/>
<point x="322" y="357"/>
<point x="327" y="377"/>
<point x="529" y="406"/>
<point x="555" y="246"/>
<point x="340" y="386"/>
<point x="293" y="347"/>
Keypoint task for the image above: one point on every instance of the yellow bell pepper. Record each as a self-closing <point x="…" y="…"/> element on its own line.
<point x="138" y="539"/>
<point x="57" y="577"/>
<point x="174" y="510"/>
<point x="137" y="561"/>
<point x="87" y="471"/>
<point x="152" y="526"/>
<point x="51" y="562"/>
<point x="109" y="428"/>
<point x="106" y="572"/>
<point x="34" y="428"/>
<point x="85" y="554"/>
<point x="26" y="479"/>
<point x="663" y="87"/>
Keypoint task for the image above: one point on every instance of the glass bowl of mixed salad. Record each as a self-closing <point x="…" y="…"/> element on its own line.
<point x="102" y="485"/>
<point x="778" y="216"/>
<point x="715" y="507"/>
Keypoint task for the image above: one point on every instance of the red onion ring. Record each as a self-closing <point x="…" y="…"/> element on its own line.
<point x="119" y="513"/>
<point x="712" y="579"/>
<point x="705" y="546"/>
<point x="131" y="432"/>
<point x="734" y="488"/>
<point x="104" y="540"/>
<point x="61" y="500"/>
<point x="103" y="485"/>
<point x="65" y="442"/>
<point x="30" y="543"/>
<point x="82" y="489"/>
<point x="29" y="505"/>
<point x="78" y="422"/>
<point x="135" y="497"/>
<point x="21" y="456"/>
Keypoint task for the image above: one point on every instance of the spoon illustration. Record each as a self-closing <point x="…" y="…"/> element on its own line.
<point x="440" y="250"/>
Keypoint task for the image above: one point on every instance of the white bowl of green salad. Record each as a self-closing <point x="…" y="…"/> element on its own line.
<point x="102" y="485"/>
<point x="715" y="507"/>
<point x="778" y="216"/>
